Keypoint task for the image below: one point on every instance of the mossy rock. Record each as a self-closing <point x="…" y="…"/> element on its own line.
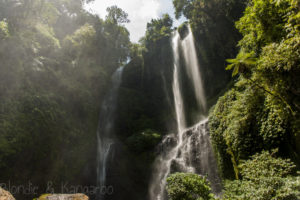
<point x="42" y="197"/>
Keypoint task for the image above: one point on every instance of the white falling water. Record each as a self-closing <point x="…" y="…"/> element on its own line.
<point x="178" y="100"/>
<point x="192" y="67"/>
<point x="190" y="150"/>
<point x="105" y="130"/>
<point x="163" y="165"/>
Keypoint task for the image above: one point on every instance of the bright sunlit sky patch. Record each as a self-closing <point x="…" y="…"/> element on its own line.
<point x="140" y="12"/>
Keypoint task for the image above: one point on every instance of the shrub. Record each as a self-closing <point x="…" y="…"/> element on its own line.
<point x="181" y="186"/>
<point x="265" y="177"/>
<point x="144" y="141"/>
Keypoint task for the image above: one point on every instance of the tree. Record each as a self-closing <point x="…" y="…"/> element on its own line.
<point x="182" y="7"/>
<point x="261" y="112"/>
<point x="52" y="51"/>
<point x="208" y="10"/>
<point x="158" y="29"/>
<point x="116" y="15"/>
<point x="264" y="22"/>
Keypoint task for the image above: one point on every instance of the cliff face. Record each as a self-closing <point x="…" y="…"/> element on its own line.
<point x="144" y="113"/>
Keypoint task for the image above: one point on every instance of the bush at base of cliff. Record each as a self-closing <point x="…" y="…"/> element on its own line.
<point x="183" y="186"/>
<point x="265" y="177"/>
<point x="144" y="141"/>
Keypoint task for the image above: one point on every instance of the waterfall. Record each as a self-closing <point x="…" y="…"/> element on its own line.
<point x="192" y="67"/>
<point x="105" y="130"/>
<point x="178" y="100"/>
<point x="190" y="149"/>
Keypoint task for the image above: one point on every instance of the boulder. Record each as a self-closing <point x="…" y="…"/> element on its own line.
<point x="63" y="197"/>
<point x="5" y="195"/>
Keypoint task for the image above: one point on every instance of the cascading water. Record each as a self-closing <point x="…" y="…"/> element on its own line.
<point x="105" y="131"/>
<point x="192" y="67"/>
<point x="190" y="150"/>
<point x="178" y="99"/>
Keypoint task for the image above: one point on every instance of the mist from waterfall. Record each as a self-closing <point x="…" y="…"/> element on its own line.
<point x="189" y="150"/>
<point x="105" y="132"/>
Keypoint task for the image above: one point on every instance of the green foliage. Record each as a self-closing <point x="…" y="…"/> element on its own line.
<point x="281" y="57"/>
<point x="182" y="7"/>
<point x="268" y="188"/>
<point x="278" y="49"/>
<point x="158" y="29"/>
<point x="144" y="141"/>
<point x="117" y="15"/>
<point x="263" y="22"/>
<point x="266" y="165"/>
<point x="207" y="10"/>
<point x="56" y="60"/>
<point x="136" y="50"/>
<point x="47" y="36"/>
<point x="263" y="113"/>
<point x="216" y="38"/>
<point x="181" y="186"/>
<point x="265" y="177"/>
<point x="84" y="36"/>
<point x="157" y="43"/>
<point x="4" y="32"/>
<point x="294" y="19"/>
<point x="246" y="122"/>
<point x="280" y="61"/>
<point x="241" y="63"/>
<point x="217" y="125"/>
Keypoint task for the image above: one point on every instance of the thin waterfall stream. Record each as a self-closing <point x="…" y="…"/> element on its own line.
<point x="190" y="149"/>
<point x="105" y="132"/>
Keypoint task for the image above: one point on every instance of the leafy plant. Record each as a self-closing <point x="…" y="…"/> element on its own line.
<point x="143" y="141"/>
<point x="181" y="186"/>
<point x="265" y="177"/>
<point x="261" y="111"/>
<point x="242" y="63"/>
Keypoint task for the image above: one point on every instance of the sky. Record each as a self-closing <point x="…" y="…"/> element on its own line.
<point x="139" y="12"/>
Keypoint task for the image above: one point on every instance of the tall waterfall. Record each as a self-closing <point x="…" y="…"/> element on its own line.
<point x="105" y="130"/>
<point x="192" y="67"/>
<point x="190" y="149"/>
<point x="178" y="99"/>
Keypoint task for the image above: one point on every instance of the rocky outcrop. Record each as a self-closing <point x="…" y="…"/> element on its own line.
<point x="5" y="195"/>
<point x="194" y="155"/>
<point x="63" y="197"/>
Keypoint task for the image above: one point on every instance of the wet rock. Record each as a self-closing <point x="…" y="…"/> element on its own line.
<point x="5" y="195"/>
<point x="168" y="143"/>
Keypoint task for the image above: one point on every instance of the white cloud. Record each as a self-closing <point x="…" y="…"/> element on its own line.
<point x="140" y="12"/>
